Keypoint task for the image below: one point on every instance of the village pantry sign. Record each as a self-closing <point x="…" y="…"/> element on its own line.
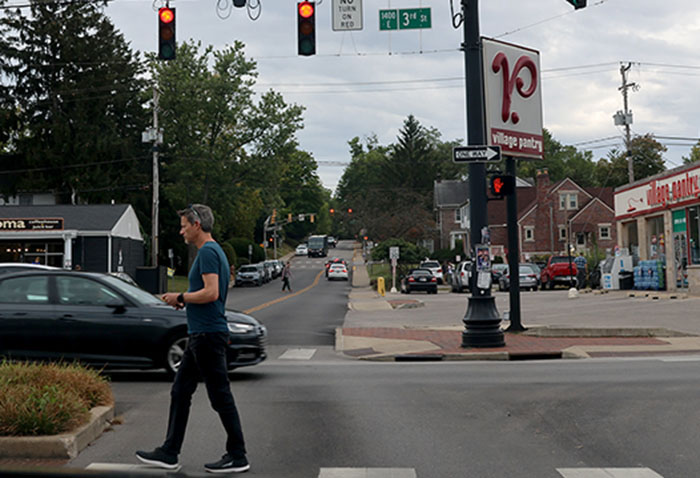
<point x="513" y="99"/>
<point x="674" y="190"/>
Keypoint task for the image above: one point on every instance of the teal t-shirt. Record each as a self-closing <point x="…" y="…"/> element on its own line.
<point x="209" y="317"/>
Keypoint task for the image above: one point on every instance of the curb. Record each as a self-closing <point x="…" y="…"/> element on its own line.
<point x="554" y="331"/>
<point x="65" y="445"/>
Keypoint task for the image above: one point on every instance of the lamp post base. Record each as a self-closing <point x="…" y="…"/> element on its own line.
<point x="482" y="324"/>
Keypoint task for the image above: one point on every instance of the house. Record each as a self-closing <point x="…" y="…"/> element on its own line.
<point x="448" y="197"/>
<point x="566" y="213"/>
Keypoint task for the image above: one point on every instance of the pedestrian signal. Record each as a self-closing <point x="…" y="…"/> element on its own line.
<point x="502" y="185"/>
<point x="306" y="28"/>
<point x="166" y="33"/>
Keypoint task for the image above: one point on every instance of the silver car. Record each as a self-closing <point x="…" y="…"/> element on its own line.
<point x="461" y="276"/>
<point x="251" y="274"/>
<point x="529" y="275"/>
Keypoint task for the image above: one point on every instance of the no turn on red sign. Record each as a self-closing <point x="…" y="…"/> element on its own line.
<point x="513" y="98"/>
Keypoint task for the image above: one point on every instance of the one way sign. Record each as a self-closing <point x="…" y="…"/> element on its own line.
<point x="473" y="154"/>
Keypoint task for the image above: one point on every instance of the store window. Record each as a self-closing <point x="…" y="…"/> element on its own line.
<point x="49" y="253"/>
<point x="656" y="242"/>
<point x="694" y="233"/>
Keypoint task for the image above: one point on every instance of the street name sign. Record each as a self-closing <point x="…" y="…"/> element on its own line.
<point x="476" y="154"/>
<point x="404" y="19"/>
<point x="347" y="15"/>
<point x="513" y="98"/>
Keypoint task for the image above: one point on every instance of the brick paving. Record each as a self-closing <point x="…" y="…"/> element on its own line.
<point x="450" y="340"/>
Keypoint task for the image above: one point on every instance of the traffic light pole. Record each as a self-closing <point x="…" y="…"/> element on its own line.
<point x="513" y="253"/>
<point x="482" y="322"/>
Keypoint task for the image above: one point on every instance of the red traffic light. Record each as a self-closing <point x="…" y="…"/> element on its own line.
<point x="349" y="210"/>
<point x="166" y="15"/>
<point x="306" y="9"/>
<point x="332" y="211"/>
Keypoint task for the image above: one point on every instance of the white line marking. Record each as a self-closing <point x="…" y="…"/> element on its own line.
<point x="367" y="473"/>
<point x="681" y="359"/>
<point x="125" y="467"/>
<point x="608" y="473"/>
<point x="298" y="354"/>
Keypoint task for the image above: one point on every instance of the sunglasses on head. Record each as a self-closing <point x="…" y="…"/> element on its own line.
<point x="197" y="216"/>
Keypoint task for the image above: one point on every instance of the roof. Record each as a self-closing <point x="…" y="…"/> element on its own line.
<point x="497" y="211"/>
<point x="450" y="192"/>
<point x="92" y="217"/>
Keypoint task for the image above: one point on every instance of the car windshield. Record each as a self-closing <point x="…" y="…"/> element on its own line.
<point x="432" y="265"/>
<point x="249" y="269"/>
<point x="559" y="259"/>
<point x="133" y="292"/>
<point x="500" y="267"/>
<point x="337" y="266"/>
<point x="422" y="272"/>
<point x="527" y="269"/>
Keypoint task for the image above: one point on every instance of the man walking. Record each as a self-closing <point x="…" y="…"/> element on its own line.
<point x="286" y="275"/>
<point x="581" y="269"/>
<point x="205" y="355"/>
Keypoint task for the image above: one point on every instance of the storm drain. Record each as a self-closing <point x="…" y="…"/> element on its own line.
<point x="419" y="358"/>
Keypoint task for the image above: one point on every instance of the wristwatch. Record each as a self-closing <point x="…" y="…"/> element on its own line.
<point x="181" y="298"/>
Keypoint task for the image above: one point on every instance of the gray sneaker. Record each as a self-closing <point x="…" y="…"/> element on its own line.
<point x="159" y="458"/>
<point x="228" y="464"/>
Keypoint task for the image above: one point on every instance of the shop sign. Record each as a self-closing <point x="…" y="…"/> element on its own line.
<point x="679" y="224"/>
<point x="658" y="194"/>
<point x="31" y="224"/>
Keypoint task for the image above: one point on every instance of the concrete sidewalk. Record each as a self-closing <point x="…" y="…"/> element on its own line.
<point x="429" y="327"/>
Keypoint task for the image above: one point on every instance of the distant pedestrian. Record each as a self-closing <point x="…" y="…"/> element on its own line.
<point x="581" y="269"/>
<point x="205" y="355"/>
<point x="286" y="275"/>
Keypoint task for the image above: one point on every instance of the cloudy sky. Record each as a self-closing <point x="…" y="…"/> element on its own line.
<point x="367" y="82"/>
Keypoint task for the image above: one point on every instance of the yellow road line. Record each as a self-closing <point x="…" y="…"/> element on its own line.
<point x="285" y="297"/>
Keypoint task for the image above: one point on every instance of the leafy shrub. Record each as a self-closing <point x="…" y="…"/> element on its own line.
<point x="230" y="253"/>
<point x="240" y="247"/>
<point x="409" y="253"/>
<point x="40" y="399"/>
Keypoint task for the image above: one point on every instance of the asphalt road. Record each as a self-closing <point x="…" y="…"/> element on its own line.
<point x="309" y="412"/>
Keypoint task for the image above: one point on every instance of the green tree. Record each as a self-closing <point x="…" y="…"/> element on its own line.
<point x="694" y="154"/>
<point x="647" y="157"/>
<point x="221" y="147"/>
<point x="71" y="102"/>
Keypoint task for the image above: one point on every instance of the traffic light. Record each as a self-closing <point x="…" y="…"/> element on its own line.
<point x="306" y="28"/>
<point x="289" y="217"/>
<point x="332" y="211"/>
<point x="349" y="210"/>
<point x="313" y="217"/>
<point x="577" y="3"/>
<point x="502" y="185"/>
<point x="166" y="33"/>
<point x="274" y="216"/>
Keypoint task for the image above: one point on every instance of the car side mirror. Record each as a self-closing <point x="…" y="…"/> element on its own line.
<point x="118" y="305"/>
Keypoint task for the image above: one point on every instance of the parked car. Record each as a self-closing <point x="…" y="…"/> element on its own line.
<point x="419" y="280"/>
<point x="332" y="241"/>
<point x="249" y="274"/>
<point x="12" y="267"/>
<point x="279" y="265"/>
<point x="496" y="271"/>
<point x="337" y="271"/>
<point x="558" y="272"/>
<point x="461" y="276"/>
<point x="435" y="268"/>
<point x="269" y="270"/>
<point x="528" y="277"/>
<point x="302" y="250"/>
<point x="101" y="320"/>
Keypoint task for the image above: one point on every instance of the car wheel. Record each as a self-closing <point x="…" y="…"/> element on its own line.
<point x="500" y="286"/>
<point x="408" y="291"/>
<point x="550" y="284"/>
<point x="174" y="352"/>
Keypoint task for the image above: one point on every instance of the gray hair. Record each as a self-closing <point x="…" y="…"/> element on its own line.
<point x="199" y="213"/>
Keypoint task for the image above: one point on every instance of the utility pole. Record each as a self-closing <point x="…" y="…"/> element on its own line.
<point x="625" y="118"/>
<point x="155" y="136"/>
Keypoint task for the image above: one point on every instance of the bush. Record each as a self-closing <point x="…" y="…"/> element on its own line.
<point x="408" y="252"/>
<point x="240" y="247"/>
<point x="39" y="399"/>
<point x="230" y="253"/>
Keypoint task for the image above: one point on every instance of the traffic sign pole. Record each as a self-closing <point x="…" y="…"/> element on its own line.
<point x="482" y="324"/>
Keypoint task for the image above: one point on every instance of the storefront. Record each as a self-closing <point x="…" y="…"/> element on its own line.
<point x="658" y="218"/>
<point x="96" y="238"/>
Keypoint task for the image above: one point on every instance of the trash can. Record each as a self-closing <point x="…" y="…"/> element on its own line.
<point x="626" y="280"/>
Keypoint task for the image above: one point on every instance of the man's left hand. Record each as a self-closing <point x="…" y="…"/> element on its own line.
<point x="170" y="298"/>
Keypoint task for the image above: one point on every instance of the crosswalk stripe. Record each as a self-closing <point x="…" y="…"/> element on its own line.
<point x="298" y="354"/>
<point x="608" y="473"/>
<point x="125" y="467"/>
<point x="367" y="473"/>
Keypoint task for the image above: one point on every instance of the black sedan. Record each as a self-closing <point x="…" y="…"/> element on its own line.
<point x="101" y="320"/>
<point x="419" y="280"/>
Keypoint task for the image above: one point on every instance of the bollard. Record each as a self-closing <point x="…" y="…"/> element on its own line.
<point x="381" y="290"/>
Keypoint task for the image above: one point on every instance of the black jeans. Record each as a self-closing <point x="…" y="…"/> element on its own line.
<point x="285" y="284"/>
<point x="205" y="357"/>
